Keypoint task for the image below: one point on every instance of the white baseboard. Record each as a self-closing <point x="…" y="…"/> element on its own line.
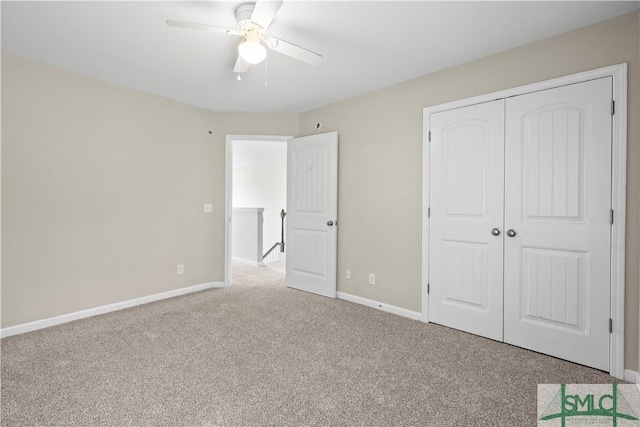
<point x="380" y="306"/>
<point x="247" y="261"/>
<point x="631" y="376"/>
<point x="69" y="317"/>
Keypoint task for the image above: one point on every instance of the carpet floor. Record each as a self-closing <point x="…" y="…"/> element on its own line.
<point x="259" y="354"/>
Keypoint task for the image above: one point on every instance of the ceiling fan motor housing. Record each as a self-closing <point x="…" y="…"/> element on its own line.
<point x="243" y="18"/>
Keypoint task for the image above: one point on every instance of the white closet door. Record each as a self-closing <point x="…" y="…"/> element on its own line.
<point x="466" y="199"/>
<point x="558" y="199"/>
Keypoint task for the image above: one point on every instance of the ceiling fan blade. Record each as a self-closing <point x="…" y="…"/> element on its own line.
<point x="202" y="27"/>
<point x="241" y="66"/>
<point x="294" y="51"/>
<point x="264" y="12"/>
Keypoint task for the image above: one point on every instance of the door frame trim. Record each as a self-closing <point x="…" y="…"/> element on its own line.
<point x="228" y="187"/>
<point x="618" y="73"/>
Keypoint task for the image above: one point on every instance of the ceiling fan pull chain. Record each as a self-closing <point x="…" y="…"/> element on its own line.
<point x="266" y="58"/>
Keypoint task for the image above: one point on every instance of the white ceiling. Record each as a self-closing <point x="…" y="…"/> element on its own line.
<point x="366" y="45"/>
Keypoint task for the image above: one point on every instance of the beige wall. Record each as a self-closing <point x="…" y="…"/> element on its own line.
<point x="102" y="191"/>
<point x="381" y="146"/>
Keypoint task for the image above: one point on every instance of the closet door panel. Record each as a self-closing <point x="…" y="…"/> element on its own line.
<point x="466" y="198"/>
<point x="557" y="202"/>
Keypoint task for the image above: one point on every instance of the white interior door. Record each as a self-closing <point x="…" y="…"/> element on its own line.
<point x="466" y="199"/>
<point x="558" y="200"/>
<point x="312" y="211"/>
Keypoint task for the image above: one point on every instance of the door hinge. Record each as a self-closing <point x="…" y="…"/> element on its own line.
<point x="613" y="107"/>
<point x="429" y="212"/>
<point x="429" y="136"/>
<point x="610" y="326"/>
<point x="611" y="216"/>
<point x="428" y="288"/>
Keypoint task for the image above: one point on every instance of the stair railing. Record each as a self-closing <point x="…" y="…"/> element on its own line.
<point x="281" y="242"/>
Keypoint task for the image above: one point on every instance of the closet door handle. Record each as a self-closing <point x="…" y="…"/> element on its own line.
<point x="511" y="232"/>
<point x="495" y="231"/>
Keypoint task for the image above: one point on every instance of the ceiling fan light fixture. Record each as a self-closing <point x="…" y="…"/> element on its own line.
<point x="252" y="23"/>
<point x="252" y="51"/>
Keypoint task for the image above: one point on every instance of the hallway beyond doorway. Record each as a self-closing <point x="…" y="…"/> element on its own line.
<point x="268" y="274"/>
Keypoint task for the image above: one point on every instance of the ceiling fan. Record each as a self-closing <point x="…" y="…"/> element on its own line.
<point x="253" y="21"/>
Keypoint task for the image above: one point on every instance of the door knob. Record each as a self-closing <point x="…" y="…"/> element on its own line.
<point x="495" y="231"/>
<point x="329" y="223"/>
<point x="511" y="232"/>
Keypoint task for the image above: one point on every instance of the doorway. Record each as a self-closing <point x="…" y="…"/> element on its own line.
<point x="256" y="208"/>
<point x="311" y="199"/>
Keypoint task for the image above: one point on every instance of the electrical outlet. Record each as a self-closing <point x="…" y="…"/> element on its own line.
<point x="372" y="279"/>
<point x="347" y="274"/>
<point x="208" y="207"/>
<point x="180" y="268"/>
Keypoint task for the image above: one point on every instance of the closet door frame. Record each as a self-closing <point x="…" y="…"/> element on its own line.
<point x="618" y="191"/>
